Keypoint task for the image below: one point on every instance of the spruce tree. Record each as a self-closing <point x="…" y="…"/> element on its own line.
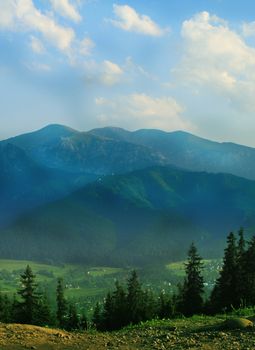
<point x="119" y="306"/>
<point x="27" y="307"/>
<point x="5" y="309"/>
<point x="97" y="318"/>
<point x="43" y="314"/>
<point x="83" y="325"/>
<point x="72" y="319"/>
<point x="248" y="282"/>
<point x="241" y="273"/>
<point x="224" y="295"/>
<point x="148" y="305"/>
<point x="193" y="287"/>
<point x="61" y="304"/>
<point x="134" y="299"/>
<point x="165" y="306"/>
<point x="108" y="313"/>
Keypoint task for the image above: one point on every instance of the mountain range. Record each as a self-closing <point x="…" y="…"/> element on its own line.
<point x="110" y="196"/>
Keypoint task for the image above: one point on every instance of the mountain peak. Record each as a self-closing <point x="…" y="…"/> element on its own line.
<point x="56" y="128"/>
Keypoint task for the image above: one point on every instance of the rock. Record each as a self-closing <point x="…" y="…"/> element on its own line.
<point x="237" y="323"/>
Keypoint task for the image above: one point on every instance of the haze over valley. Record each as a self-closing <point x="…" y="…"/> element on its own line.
<point x="113" y="197"/>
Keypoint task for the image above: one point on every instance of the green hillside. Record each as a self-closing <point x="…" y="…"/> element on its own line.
<point x="135" y="219"/>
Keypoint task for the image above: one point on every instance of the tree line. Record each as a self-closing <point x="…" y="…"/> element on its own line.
<point x="131" y="304"/>
<point x="29" y="306"/>
<point x="234" y="289"/>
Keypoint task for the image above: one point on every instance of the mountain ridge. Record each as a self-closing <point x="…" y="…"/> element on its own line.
<point x="104" y="194"/>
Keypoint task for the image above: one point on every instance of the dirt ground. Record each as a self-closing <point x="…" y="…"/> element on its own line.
<point x="20" y="337"/>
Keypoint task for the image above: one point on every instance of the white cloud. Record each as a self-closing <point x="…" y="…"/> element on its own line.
<point x="36" y="45"/>
<point x="128" y="19"/>
<point x="37" y="66"/>
<point x="85" y="46"/>
<point x="217" y="58"/>
<point x="142" y="111"/>
<point x="135" y="71"/>
<point x="111" y="73"/>
<point x="106" y="73"/>
<point x="248" y="29"/>
<point x="23" y="15"/>
<point x="66" y="9"/>
<point x="7" y="14"/>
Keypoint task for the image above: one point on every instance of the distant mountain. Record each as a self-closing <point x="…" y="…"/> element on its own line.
<point x="62" y="148"/>
<point x="188" y="151"/>
<point x="50" y="163"/>
<point x="135" y="218"/>
<point x="113" y="150"/>
<point x="110" y="195"/>
<point x="24" y="184"/>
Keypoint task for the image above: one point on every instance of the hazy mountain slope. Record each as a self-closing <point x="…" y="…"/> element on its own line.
<point x="24" y="184"/>
<point x="191" y="152"/>
<point x="114" y="150"/>
<point x="138" y="217"/>
<point x="62" y="148"/>
<point x="49" y="163"/>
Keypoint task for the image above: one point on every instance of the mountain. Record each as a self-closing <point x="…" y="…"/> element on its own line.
<point x="24" y="184"/>
<point x="50" y="163"/>
<point x="62" y="148"/>
<point x="110" y="195"/>
<point x="144" y="216"/>
<point x="188" y="151"/>
<point x="113" y="150"/>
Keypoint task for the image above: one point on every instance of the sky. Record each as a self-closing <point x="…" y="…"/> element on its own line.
<point x="162" y="64"/>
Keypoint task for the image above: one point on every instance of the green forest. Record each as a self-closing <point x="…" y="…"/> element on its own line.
<point x="132" y="303"/>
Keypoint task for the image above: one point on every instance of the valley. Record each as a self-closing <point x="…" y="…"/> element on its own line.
<point x="86" y="285"/>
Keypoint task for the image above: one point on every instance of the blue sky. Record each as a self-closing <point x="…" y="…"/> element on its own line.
<point x="166" y="64"/>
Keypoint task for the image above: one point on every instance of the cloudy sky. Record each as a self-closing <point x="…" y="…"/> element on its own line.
<point x="165" y="64"/>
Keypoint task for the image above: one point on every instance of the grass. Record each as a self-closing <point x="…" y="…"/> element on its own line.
<point x="194" y="323"/>
<point x="81" y="281"/>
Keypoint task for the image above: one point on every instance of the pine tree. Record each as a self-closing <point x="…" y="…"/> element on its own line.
<point x="27" y="307"/>
<point x="119" y="306"/>
<point x="83" y="325"/>
<point x="15" y="317"/>
<point x="61" y="304"/>
<point x="72" y="320"/>
<point x="248" y="282"/>
<point x="43" y="314"/>
<point x="108" y="313"/>
<point x="148" y="305"/>
<point x="165" y="306"/>
<point x="193" y="288"/>
<point x="97" y="318"/>
<point x="5" y="309"/>
<point x="134" y="299"/>
<point x="241" y="244"/>
<point x="224" y="295"/>
<point x="241" y="274"/>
